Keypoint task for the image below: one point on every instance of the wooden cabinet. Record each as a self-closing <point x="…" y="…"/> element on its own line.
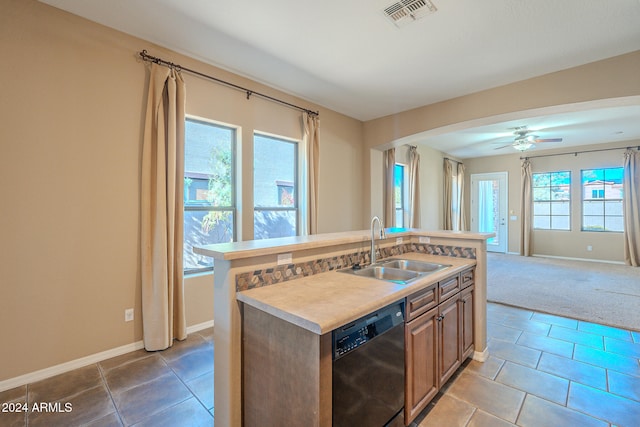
<point x="421" y="344"/>
<point x="448" y="340"/>
<point x="465" y="304"/>
<point x="438" y="338"/>
<point x="421" y="302"/>
<point x="448" y="288"/>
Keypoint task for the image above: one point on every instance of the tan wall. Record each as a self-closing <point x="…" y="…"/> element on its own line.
<point x="72" y="107"/>
<point x="573" y="243"/>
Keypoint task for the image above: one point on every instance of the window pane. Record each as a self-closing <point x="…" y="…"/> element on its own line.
<point x="542" y="222"/>
<point x="274" y="169"/>
<point x="541" y="179"/>
<point x="399" y="193"/>
<point x="602" y="195"/>
<point x="613" y="207"/>
<point x="208" y="182"/>
<point x="560" y="223"/>
<point x="592" y="207"/>
<point x="275" y="186"/>
<point x="542" y="208"/>
<point x="593" y="223"/>
<point x="205" y="228"/>
<point x="208" y="164"/>
<point x="541" y="194"/>
<point x="552" y="197"/>
<point x="270" y="224"/>
<point x="560" y="208"/>
<point x="614" y="223"/>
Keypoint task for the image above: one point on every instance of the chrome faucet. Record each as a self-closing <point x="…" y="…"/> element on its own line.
<point x="373" y="239"/>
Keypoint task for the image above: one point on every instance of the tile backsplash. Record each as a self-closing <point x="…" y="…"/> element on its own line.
<point x="282" y="273"/>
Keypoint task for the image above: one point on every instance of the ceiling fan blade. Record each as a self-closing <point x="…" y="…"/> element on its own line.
<point x="498" y="148"/>
<point x="549" y="140"/>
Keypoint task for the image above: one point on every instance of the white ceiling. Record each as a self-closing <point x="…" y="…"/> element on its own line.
<point x="347" y="56"/>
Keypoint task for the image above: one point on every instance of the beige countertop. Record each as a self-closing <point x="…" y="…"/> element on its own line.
<point x="326" y="301"/>
<point x="253" y="248"/>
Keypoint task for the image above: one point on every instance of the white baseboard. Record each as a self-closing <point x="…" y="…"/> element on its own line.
<point x="84" y="361"/>
<point x="578" y="259"/>
<point x="481" y="356"/>
<point x="68" y="366"/>
<point x="199" y="327"/>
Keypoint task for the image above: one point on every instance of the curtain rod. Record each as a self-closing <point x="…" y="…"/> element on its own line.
<point x="457" y="161"/>
<point x="575" y="153"/>
<point x="148" y="58"/>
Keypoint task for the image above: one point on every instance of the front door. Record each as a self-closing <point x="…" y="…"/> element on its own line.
<point x="489" y="208"/>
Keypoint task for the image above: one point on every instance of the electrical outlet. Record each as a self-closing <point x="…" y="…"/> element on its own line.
<point x="424" y="239"/>
<point x="398" y="240"/>
<point x="284" y="259"/>
<point x="589" y="248"/>
<point x="128" y="315"/>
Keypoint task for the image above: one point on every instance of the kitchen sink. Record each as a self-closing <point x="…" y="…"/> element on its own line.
<point x="412" y="265"/>
<point x="387" y="273"/>
<point x="399" y="271"/>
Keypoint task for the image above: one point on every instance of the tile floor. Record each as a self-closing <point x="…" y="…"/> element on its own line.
<point x="543" y="371"/>
<point x="168" y="388"/>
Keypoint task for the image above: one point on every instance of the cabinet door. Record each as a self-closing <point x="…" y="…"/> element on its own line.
<point x="421" y="383"/>
<point x="466" y="322"/>
<point x="448" y="339"/>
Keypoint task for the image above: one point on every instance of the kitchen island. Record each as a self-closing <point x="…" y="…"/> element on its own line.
<point x="277" y="276"/>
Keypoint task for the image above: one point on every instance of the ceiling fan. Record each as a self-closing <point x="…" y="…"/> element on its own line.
<point x="525" y="140"/>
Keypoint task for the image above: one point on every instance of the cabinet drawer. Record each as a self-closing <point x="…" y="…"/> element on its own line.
<point x="421" y="301"/>
<point x="467" y="278"/>
<point x="448" y="288"/>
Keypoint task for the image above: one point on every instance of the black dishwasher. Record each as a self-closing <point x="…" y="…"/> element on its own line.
<point x="368" y="370"/>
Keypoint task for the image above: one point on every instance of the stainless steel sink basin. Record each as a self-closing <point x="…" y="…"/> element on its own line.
<point x="399" y="271"/>
<point x="412" y="265"/>
<point x="387" y="273"/>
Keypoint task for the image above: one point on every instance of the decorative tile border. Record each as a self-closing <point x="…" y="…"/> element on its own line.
<point x="283" y="273"/>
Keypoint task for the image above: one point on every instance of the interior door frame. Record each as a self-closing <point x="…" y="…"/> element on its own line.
<point x="503" y="179"/>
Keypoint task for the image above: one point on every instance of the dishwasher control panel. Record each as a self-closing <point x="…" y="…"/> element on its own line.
<point x="355" y="334"/>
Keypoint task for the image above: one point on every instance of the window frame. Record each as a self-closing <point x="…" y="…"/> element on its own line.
<point x="550" y="200"/>
<point x="604" y="199"/>
<point x="404" y="195"/>
<point x="210" y="208"/>
<point x="298" y="181"/>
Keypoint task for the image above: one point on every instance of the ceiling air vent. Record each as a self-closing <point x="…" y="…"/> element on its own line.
<point x="406" y="11"/>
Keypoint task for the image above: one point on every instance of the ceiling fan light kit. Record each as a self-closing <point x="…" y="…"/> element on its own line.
<point x="523" y="145"/>
<point x="525" y="140"/>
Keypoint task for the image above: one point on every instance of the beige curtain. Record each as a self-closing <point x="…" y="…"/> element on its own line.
<point x="448" y="199"/>
<point x="631" y="203"/>
<point x="462" y="218"/>
<point x="414" y="187"/>
<point x="389" y="203"/>
<point x="311" y="123"/>
<point x="161" y="210"/>
<point x="525" y="208"/>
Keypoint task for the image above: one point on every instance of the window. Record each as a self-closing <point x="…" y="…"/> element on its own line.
<point x="552" y="200"/>
<point x="209" y="189"/>
<point x="275" y="187"/>
<point x="399" y="194"/>
<point x="602" y="196"/>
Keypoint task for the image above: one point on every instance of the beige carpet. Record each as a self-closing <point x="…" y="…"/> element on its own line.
<point x="592" y="291"/>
